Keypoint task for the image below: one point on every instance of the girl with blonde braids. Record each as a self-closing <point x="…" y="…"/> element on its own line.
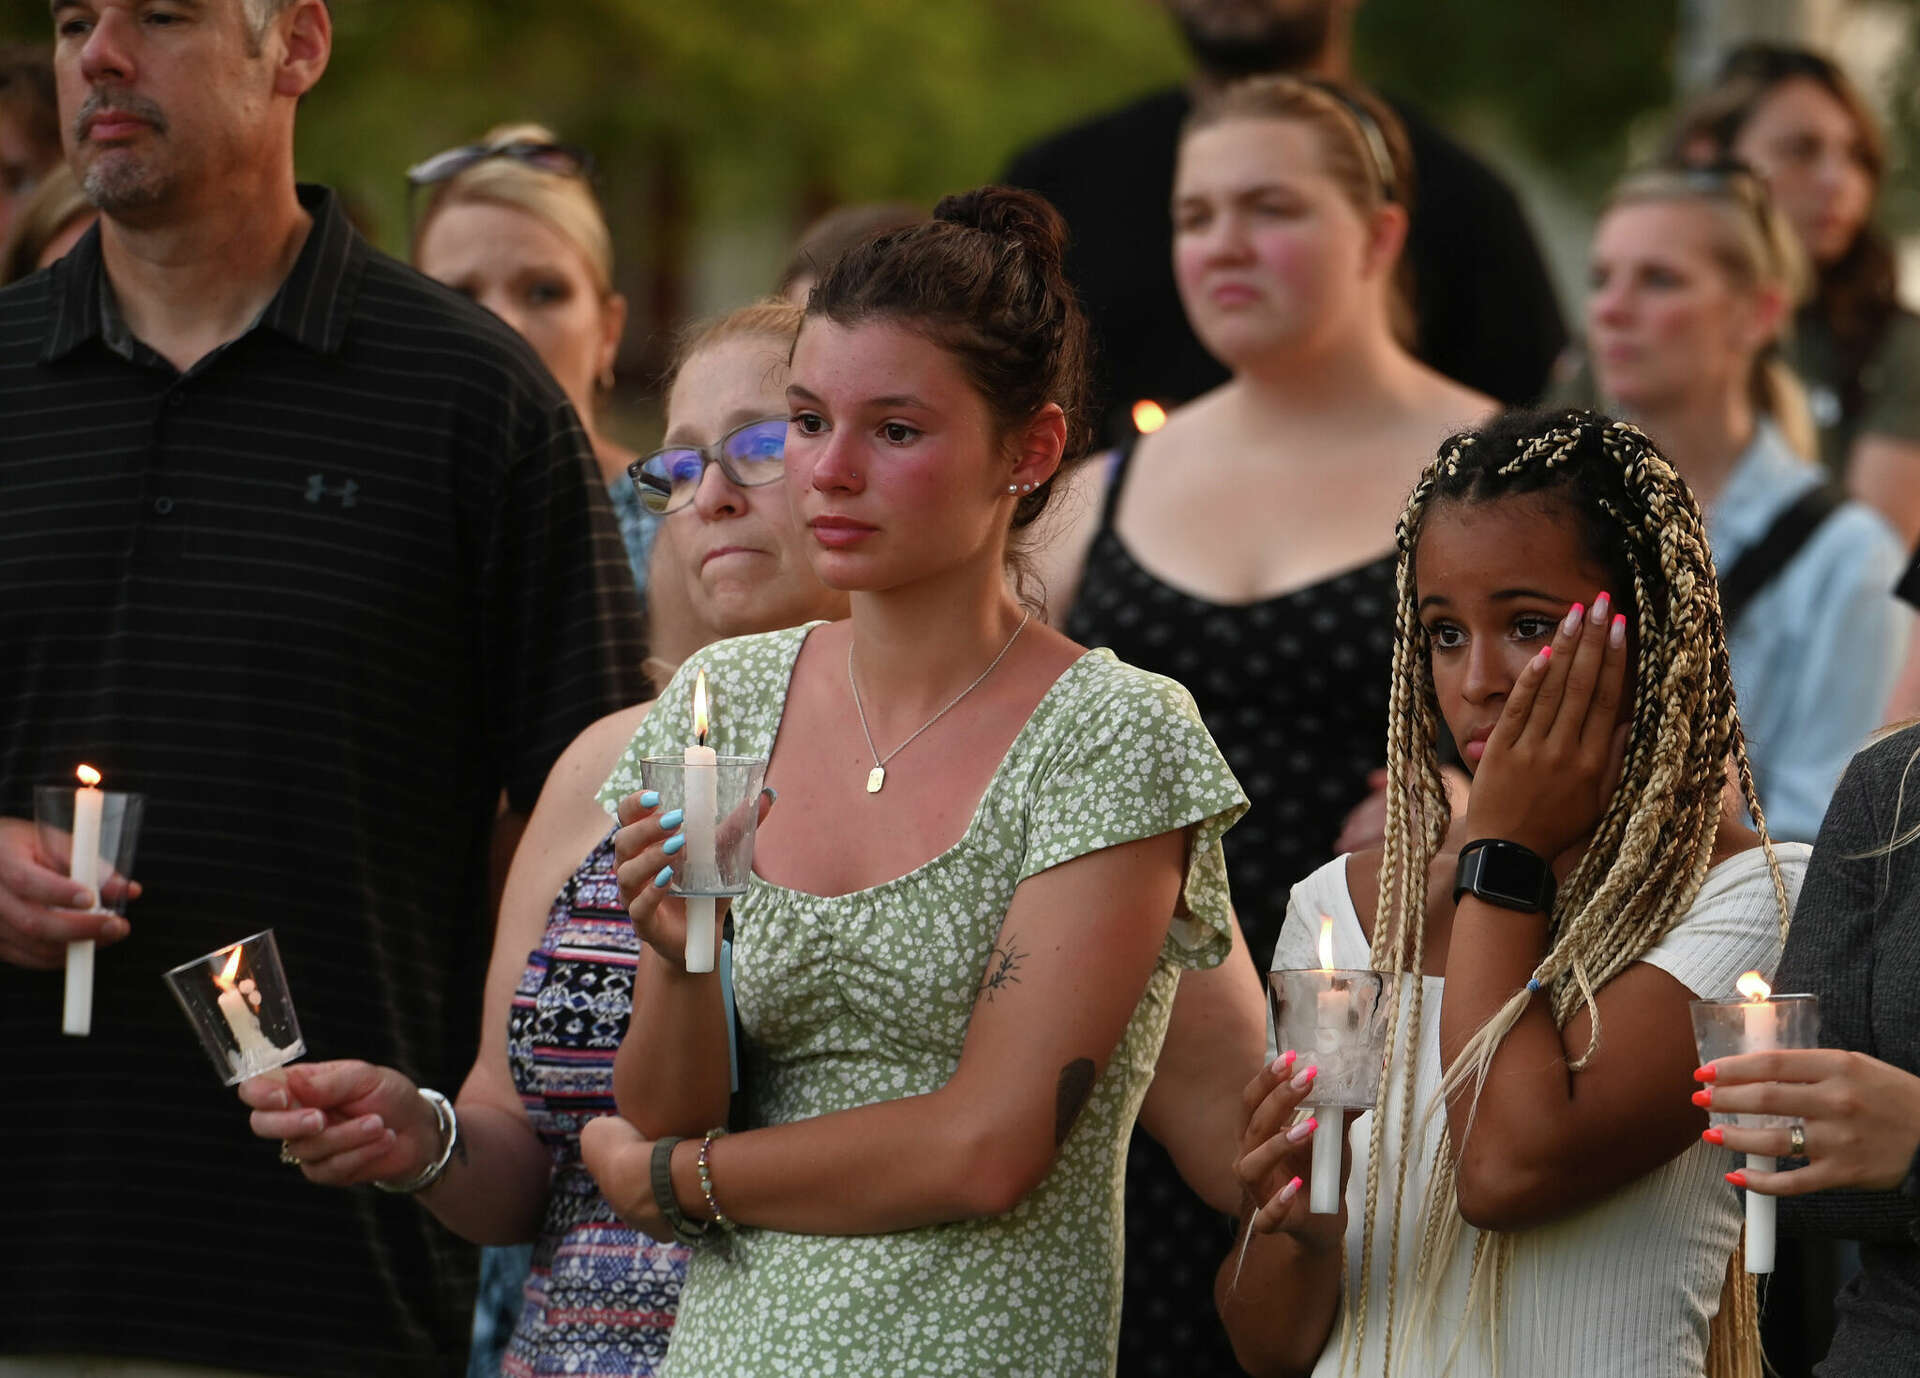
<point x="1532" y="1195"/>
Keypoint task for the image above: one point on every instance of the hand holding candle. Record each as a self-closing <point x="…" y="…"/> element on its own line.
<point x="1343" y="1016"/>
<point x="238" y="1001"/>
<point x="1757" y="1021"/>
<point x="83" y="867"/>
<point x="90" y="833"/>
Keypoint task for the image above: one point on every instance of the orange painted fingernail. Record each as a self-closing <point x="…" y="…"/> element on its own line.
<point x="1703" y="1098"/>
<point x="1714" y="1136"/>
<point x="1706" y="1073"/>
<point x="1739" y="1179"/>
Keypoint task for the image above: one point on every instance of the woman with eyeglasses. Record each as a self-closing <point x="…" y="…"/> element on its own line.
<point x="1694" y="277"/>
<point x="1245" y="550"/>
<point x="1796" y="119"/>
<point x="600" y="1298"/>
<point x="512" y="221"/>
<point x="992" y="854"/>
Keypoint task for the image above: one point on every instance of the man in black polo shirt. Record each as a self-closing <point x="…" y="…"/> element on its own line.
<point x="1486" y="310"/>
<point x="307" y="550"/>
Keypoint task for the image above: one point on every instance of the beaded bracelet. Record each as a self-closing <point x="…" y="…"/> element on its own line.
<point x="715" y="1216"/>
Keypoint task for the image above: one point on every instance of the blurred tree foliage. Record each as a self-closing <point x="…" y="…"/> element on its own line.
<point x="792" y="103"/>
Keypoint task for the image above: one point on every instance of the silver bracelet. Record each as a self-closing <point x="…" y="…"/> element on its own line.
<point x="450" y="1134"/>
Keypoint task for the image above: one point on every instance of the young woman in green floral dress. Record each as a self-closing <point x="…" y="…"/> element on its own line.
<point x="992" y="855"/>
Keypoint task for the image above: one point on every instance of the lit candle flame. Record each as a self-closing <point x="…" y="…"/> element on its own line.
<point x="88" y="776"/>
<point x="700" y="720"/>
<point x="1326" y="943"/>
<point x="225" y="977"/>
<point x="1148" y="416"/>
<point x="1753" y="986"/>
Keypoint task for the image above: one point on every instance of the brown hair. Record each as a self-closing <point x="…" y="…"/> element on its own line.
<point x="1856" y="295"/>
<point x="564" y="201"/>
<point x="51" y="207"/>
<point x="27" y="94"/>
<point x="1756" y="248"/>
<point x="1363" y="148"/>
<point x="823" y="241"/>
<point x="984" y="280"/>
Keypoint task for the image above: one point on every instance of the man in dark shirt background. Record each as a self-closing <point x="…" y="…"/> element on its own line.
<point x="310" y="552"/>
<point x="1486" y="310"/>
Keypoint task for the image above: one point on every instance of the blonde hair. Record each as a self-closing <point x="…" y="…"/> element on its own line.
<point x="52" y="206"/>
<point x="1758" y="249"/>
<point x="1363" y="148"/>
<point x="1649" y="852"/>
<point x="565" y="202"/>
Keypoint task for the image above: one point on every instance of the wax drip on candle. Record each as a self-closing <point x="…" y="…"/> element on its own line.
<point x="237" y="1001"/>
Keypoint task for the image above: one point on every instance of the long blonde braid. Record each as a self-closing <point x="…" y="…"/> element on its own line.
<point x="1650" y="850"/>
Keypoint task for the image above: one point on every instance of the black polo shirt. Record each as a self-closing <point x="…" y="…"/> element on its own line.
<point x="320" y="599"/>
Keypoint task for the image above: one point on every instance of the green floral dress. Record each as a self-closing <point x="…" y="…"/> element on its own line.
<point x="865" y="997"/>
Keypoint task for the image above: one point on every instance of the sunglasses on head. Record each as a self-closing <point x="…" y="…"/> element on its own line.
<point x="563" y="160"/>
<point x="748" y="455"/>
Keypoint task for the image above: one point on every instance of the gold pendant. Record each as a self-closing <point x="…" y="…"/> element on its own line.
<point x="876" y="778"/>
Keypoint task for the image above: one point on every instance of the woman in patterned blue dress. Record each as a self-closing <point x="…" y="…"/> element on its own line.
<point x="601" y="1297"/>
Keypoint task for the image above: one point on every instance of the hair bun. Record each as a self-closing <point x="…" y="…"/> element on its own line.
<point x="1009" y="213"/>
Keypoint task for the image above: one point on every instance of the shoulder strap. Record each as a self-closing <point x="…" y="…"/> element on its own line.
<point x="1116" y="477"/>
<point x="1765" y="558"/>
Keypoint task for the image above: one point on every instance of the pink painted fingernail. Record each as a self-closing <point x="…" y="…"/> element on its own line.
<point x="1288" y="1192"/>
<point x="1301" y="1132"/>
<point x="1305" y="1078"/>
<point x="1617" y="635"/>
<point x="1571" y="622"/>
<point x="1546" y="654"/>
<point x="1283" y="1062"/>
<point x="1601" y="605"/>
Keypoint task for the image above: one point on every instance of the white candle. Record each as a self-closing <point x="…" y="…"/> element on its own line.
<point x="702" y="808"/>
<point x="1330" y="1019"/>
<point x="83" y="867"/>
<point x="1762" y="1035"/>
<point x="256" y="1050"/>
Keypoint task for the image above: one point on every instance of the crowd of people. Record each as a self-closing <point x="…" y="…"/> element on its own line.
<point x="1562" y="682"/>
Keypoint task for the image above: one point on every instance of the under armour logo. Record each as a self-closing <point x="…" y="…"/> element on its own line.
<point x="317" y="488"/>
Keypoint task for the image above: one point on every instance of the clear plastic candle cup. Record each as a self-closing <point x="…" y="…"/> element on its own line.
<point x="237" y="1001"/>
<point x="1339" y="1020"/>
<point x="721" y="805"/>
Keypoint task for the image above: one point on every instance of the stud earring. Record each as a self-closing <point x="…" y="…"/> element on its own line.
<point x="1013" y="487"/>
<point x="1026" y="487"/>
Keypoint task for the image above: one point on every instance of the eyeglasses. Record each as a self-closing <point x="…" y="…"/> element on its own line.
<point x="748" y="455"/>
<point x="563" y="160"/>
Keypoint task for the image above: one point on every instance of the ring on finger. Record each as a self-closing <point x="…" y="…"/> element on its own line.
<point x="286" y="1153"/>
<point x="1797" y="1141"/>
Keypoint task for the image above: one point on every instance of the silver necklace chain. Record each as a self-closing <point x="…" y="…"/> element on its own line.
<point x="878" y="775"/>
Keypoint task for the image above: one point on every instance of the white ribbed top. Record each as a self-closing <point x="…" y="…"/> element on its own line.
<point x="1624" y="1288"/>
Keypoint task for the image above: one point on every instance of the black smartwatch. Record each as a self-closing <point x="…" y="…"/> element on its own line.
<point x="1506" y="874"/>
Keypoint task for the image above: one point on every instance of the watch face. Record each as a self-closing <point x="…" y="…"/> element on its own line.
<point x="1510" y="876"/>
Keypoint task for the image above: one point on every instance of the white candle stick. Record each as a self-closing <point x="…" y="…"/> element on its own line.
<point x="1324" y="1199"/>
<point x="1760" y="1220"/>
<point x="1330" y="1018"/>
<point x="83" y="867"/>
<point x="701" y="809"/>
<point x="256" y="1051"/>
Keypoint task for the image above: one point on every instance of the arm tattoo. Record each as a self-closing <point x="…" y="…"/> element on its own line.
<point x="1000" y="970"/>
<point x="1070" y="1097"/>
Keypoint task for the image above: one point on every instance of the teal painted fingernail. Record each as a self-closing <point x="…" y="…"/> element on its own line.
<point x="672" y="820"/>
<point x="675" y="843"/>
<point x="773" y="795"/>
<point x="660" y="881"/>
<point x="649" y="799"/>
